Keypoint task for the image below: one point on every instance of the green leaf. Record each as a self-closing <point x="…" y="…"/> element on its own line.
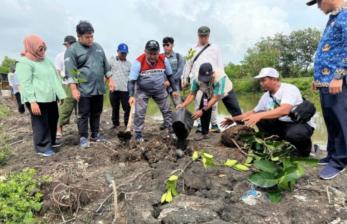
<point x="267" y="166"/>
<point x="274" y="196"/>
<point x="207" y="156"/>
<point x="168" y="197"/>
<point x="195" y="155"/>
<point x="207" y="160"/>
<point x="173" y="178"/>
<point x="163" y="198"/>
<point x="230" y="163"/>
<point x="240" y="167"/>
<point x="264" y="180"/>
<point x="249" y="159"/>
<point x="174" y="191"/>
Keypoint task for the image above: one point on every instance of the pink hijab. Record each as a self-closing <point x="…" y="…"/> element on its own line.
<point x="34" y="48"/>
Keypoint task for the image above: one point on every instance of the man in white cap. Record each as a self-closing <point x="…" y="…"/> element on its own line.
<point x="271" y="113"/>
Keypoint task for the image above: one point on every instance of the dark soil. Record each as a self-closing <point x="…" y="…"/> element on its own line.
<point x="80" y="192"/>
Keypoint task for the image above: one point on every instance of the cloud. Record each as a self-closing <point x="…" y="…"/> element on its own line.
<point x="235" y="25"/>
<point x="19" y="18"/>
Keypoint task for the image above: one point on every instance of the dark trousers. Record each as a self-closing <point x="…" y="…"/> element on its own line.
<point x="20" y="106"/>
<point x="298" y="135"/>
<point x="117" y="98"/>
<point x="89" y="109"/>
<point x="44" y="126"/>
<point x="334" y="108"/>
<point x="205" y="118"/>
<point x="232" y="105"/>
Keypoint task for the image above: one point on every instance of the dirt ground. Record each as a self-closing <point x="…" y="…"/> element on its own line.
<point x="79" y="191"/>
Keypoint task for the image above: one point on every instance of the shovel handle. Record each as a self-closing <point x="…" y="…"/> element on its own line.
<point x="130" y="121"/>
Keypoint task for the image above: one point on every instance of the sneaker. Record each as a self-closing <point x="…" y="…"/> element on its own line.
<point x="329" y="172"/>
<point x="201" y="137"/>
<point x="84" y="143"/>
<point x="49" y="152"/>
<point x="56" y="144"/>
<point x="324" y="161"/>
<point x="198" y="129"/>
<point x="138" y="137"/>
<point x="215" y="128"/>
<point x="98" y="138"/>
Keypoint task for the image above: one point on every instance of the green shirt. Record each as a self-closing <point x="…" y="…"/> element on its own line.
<point x="38" y="81"/>
<point x="92" y="67"/>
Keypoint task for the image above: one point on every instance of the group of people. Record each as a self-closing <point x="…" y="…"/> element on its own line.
<point x="84" y="72"/>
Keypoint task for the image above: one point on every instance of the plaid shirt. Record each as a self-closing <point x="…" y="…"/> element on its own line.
<point x="120" y="73"/>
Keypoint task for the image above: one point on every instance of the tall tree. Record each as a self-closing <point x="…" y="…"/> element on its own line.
<point x="7" y="65"/>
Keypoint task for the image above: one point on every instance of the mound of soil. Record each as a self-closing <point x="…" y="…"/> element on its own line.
<point x="80" y="192"/>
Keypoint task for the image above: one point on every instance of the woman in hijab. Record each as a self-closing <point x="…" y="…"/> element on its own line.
<point x="40" y="91"/>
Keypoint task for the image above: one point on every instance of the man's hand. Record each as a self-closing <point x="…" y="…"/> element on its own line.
<point x="313" y="87"/>
<point x="179" y="106"/>
<point x="335" y="86"/>
<point x="197" y="114"/>
<point x="35" y="109"/>
<point x="166" y="84"/>
<point x="76" y="94"/>
<point x="111" y="85"/>
<point x="131" y="100"/>
<point x="252" y="120"/>
<point x="175" y="94"/>
<point x="227" y="121"/>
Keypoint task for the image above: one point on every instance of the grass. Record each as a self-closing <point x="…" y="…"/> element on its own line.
<point x="4" y="110"/>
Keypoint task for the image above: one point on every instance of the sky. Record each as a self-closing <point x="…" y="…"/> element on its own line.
<point x="236" y="25"/>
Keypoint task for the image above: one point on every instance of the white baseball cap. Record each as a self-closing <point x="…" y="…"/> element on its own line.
<point x="267" y="72"/>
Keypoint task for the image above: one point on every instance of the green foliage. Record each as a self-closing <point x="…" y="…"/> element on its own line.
<point x="7" y="65"/>
<point x="275" y="168"/>
<point x="190" y="54"/>
<point x="4" y="110"/>
<point x="5" y="152"/>
<point x="76" y="76"/>
<point x="291" y="55"/>
<point x="171" y="190"/>
<point x="20" y="197"/>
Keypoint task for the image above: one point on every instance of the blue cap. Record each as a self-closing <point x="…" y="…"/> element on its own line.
<point x="123" y="48"/>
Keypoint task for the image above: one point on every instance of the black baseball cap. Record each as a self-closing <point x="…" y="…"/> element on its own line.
<point x="204" y="31"/>
<point x="152" y="45"/>
<point x="69" y="40"/>
<point x="205" y="72"/>
<point x="311" y="2"/>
